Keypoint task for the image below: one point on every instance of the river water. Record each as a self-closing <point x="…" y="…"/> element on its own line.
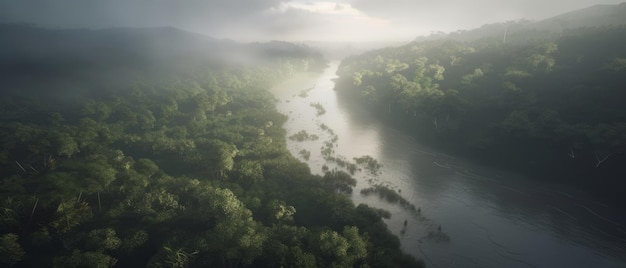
<point x="476" y="216"/>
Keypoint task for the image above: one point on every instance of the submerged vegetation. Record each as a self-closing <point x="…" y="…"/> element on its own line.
<point x="187" y="169"/>
<point x="328" y="153"/>
<point x="320" y="109"/>
<point x="437" y="236"/>
<point x="302" y="135"/>
<point x="389" y="195"/>
<point x="304" y="93"/>
<point x="369" y="163"/>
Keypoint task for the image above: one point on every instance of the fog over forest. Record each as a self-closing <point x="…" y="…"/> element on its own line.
<point x="297" y="20"/>
<point x="352" y="133"/>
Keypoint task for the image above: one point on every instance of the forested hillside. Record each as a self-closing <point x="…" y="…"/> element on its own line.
<point x="117" y="153"/>
<point x="549" y="106"/>
<point x="594" y="16"/>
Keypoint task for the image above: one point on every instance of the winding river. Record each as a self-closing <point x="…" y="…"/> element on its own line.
<point x="476" y="216"/>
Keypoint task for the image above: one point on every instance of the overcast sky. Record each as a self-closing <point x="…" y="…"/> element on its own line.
<point x="296" y="20"/>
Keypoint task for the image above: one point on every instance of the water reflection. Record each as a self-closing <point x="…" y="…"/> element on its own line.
<point x="494" y="218"/>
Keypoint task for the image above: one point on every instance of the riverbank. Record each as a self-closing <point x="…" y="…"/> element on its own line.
<point x="493" y="218"/>
<point x="534" y="106"/>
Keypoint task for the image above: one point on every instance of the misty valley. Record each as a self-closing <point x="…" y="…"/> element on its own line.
<point x="500" y="146"/>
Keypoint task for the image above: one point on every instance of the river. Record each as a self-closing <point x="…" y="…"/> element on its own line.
<point x="492" y="218"/>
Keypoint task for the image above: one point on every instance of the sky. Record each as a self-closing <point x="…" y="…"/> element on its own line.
<point x="291" y="20"/>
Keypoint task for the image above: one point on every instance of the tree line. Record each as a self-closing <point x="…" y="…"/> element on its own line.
<point x="188" y="170"/>
<point x="548" y="105"/>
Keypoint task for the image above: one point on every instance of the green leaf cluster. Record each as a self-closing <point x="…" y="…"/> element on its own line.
<point x="546" y="105"/>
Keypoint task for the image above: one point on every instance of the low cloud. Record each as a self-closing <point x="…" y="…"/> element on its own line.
<point x="251" y="20"/>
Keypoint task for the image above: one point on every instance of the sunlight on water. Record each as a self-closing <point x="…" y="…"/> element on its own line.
<point x="493" y="219"/>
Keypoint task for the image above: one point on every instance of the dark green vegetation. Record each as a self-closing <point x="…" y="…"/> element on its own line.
<point x="548" y="105"/>
<point x="302" y="135"/>
<point x="369" y="163"/>
<point x="320" y="109"/>
<point x="168" y="165"/>
<point x="304" y="93"/>
<point x="306" y="154"/>
<point x="390" y="195"/>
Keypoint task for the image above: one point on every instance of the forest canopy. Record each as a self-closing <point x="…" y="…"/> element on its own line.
<point x="174" y="166"/>
<point x="549" y="105"/>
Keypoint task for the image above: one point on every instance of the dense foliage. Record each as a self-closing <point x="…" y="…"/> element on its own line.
<point x="190" y="170"/>
<point x="548" y="105"/>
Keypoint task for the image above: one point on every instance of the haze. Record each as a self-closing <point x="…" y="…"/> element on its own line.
<point x="262" y="20"/>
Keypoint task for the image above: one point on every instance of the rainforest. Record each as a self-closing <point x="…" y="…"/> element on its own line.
<point x="548" y="106"/>
<point x="175" y="166"/>
<point x="292" y="133"/>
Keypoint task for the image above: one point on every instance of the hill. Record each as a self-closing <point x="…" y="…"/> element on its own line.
<point x="65" y="59"/>
<point x="549" y="106"/>
<point x="594" y="16"/>
<point x="164" y="48"/>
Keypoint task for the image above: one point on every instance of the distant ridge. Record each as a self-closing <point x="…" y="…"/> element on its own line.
<point x="594" y="16"/>
<point x="131" y="47"/>
<point x="67" y="59"/>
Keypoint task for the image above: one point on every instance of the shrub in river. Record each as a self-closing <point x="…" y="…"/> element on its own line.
<point x="304" y="93"/>
<point x="352" y="168"/>
<point x="325" y="127"/>
<point x="303" y="136"/>
<point x="390" y="195"/>
<point x="437" y="236"/>
<point x="325" y="168"/>
<point x="369" y="163"/>
<point x="320" y="109"/>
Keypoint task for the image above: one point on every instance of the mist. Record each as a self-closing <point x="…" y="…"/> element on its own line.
<point x="263" y="20"/>
<point x="271" y="133"/>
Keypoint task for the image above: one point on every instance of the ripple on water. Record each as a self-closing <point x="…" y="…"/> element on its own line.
<point x="494" y="219"/>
